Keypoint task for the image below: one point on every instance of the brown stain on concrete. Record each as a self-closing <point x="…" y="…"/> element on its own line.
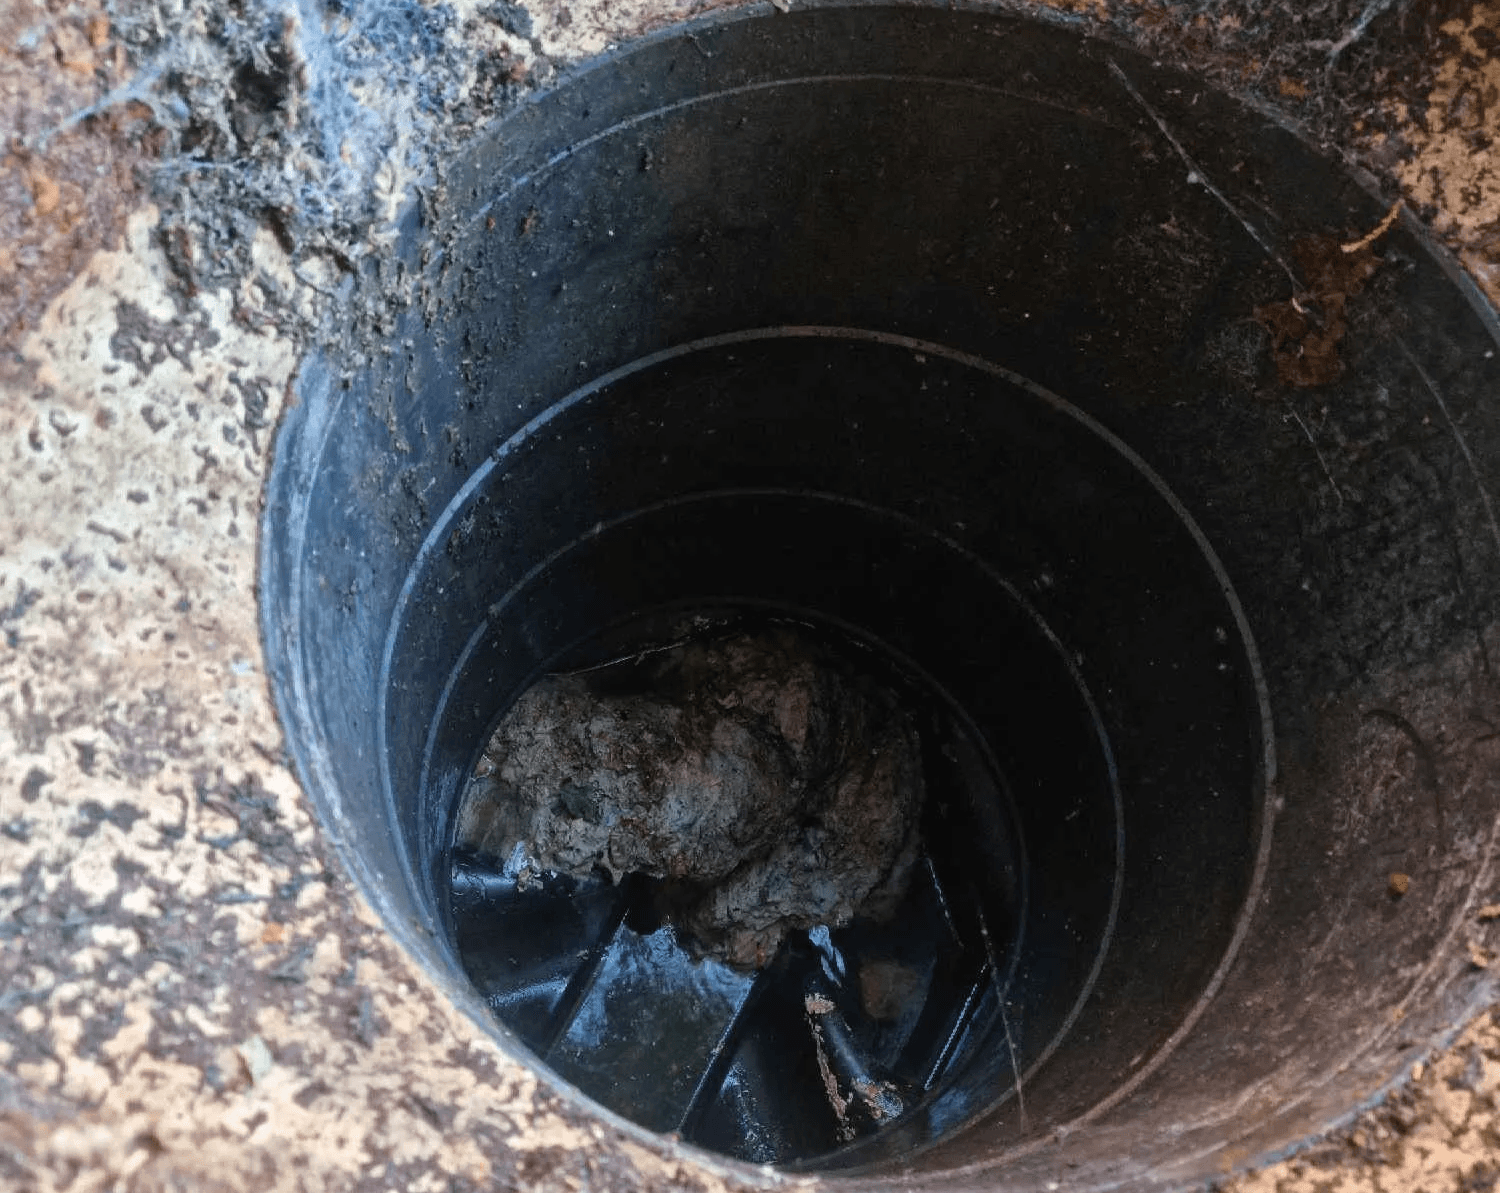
<point x="65" y="186"/>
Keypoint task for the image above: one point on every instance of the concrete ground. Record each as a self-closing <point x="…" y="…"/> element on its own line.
<point x="192" y="996"/>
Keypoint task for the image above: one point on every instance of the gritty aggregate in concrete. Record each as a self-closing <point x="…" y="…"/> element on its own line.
<point x="192" y="996"/>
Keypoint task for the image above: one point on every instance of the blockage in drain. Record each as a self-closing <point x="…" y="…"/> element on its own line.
<point x="764" y="785"/>
<point x="695" y="880"/>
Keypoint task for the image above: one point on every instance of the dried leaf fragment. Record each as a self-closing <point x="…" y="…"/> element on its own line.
<point x="1308" y="328"/>
<point x="1375" y="233"/>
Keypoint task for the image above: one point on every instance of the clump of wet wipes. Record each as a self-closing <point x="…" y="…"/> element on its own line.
<point x="770" y="784"/>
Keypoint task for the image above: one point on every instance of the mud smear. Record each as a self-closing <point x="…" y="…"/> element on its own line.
<point x="251" y="125"/>
<point x="1307" y="329"/>
<point x="767" y="782"/>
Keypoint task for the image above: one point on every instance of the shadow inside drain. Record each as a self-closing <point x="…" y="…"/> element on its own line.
<point x="713" y="882"/>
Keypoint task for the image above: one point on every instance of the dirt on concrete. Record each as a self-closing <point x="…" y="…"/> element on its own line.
<point x="769" y="784"/>
<point x="67" y="182"/>
<point x="192" y="997"/>
<point x="319" y="126"/>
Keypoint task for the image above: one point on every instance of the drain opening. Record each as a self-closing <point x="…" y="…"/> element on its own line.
<point x="815" y="570"/>
<point x="907" y="329"/>
<point x="734" y="906"/>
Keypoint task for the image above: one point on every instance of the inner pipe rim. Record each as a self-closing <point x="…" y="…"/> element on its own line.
<point x="906" y="663"/>
<point x="1260" y="797"/>
<point x="752" y="10"/>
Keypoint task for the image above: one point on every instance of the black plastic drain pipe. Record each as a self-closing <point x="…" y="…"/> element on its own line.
<point x="952" y="334"/>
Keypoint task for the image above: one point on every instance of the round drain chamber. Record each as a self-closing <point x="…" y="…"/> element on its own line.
<point x="1057" y="399"/>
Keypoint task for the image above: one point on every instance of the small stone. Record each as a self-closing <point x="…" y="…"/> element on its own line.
<point x="1417" y="1070"/>
<point x="256" y="1057"/>
<point x="45" y="194"/>
<point x="73" y="50"/>
<point x="1472" y="1076"/>
<point x="1479" y="956"/>
<point x="1399" y="884"/>
<point x="1490" y="911"/>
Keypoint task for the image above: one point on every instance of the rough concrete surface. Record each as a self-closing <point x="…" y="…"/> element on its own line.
<point x="191" y="994"/>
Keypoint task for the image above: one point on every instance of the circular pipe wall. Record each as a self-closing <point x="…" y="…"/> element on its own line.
<point x="978" y="342"/>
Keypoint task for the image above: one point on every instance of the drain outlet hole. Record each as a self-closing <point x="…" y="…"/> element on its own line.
<point x="707" y="870"/>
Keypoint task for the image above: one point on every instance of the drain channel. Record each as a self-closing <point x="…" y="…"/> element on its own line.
<point x="907" y="328"/>
<point x="809" y="1037"/>
<point x="856" y="552"/>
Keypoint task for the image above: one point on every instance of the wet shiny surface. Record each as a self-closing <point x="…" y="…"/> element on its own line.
<point x="836" y="1038"/>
